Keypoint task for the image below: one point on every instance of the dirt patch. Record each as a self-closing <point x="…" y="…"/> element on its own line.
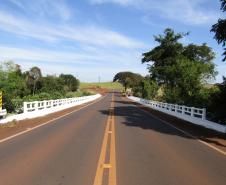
<point x="97" y="89"/>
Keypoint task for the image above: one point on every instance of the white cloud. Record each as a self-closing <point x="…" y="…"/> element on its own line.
<point x="44" y="8"/>
<point x="86" y="50"/>
<point x="121" y="2"/>
<point x="190" y="12"/>
<point x="86" y="63"/>
<point x="78" y="57"/>
<point x="83" y="34"/>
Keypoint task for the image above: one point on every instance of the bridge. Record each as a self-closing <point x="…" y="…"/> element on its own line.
<point x="112" y="140"/>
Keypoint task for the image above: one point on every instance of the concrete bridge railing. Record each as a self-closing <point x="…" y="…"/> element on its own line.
<point x="191" y="114"/>
<point x="41" y="108"/>
<point x="49" y="104"/>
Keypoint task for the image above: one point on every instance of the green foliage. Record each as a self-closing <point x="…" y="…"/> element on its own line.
<point x="149" y="88"/>
<point x="7" y="103"/>
<point x="12" y="84"/>
<point x="70" y="95"/>
<point x="44" y="96"/>
<point x="17" y="104"/>
<point x="182" y="69"/>
<point x="217" y="106"/>
<point x="78" y="93"/>
<point x="220" y="29"/>
<point x="51" y="84"/>
<point x="70" y="82"/>
<point x="57" y="95"/>
<point x="31" y="97"/>
<point x="18" y="87"/>
<point x="128" y="79"/>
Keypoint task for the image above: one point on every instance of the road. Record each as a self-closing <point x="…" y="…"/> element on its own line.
<point x="111" y="142"/>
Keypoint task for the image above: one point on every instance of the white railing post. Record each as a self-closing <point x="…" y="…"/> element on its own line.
<point x="183" y="111"/>
<point x="45" y="105"/>
<point x="192" y="111"/>
<point x="204" y="114"/>
<point x="171" y="107"/>
<point x="36" y="105"/>
<point x="25" y="107"/>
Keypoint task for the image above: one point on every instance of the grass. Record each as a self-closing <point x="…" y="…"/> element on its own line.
<point x="79" y="93"/>
<point x="105" y="85"/>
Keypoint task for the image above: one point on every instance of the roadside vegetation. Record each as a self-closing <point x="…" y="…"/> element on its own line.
<point x="18" y="86"/>
<point x="180" y="73"/>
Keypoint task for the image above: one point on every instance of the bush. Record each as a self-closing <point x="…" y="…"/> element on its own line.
<point x="17" y="104"/>
<point x="86" y="93"/>
<point x="70" y="95"/>
<point x="216" y="110"/>
<point x="44" y="96"/>
<point x="56" y="95"/>
<point x="7" y="103"/>
<point x="150" y="89"/>
<point x="31" y="98"/>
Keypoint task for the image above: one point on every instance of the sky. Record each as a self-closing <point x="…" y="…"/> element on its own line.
<point x="95" y="39"/>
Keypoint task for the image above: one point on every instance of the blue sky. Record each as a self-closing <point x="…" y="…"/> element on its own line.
<point x="92" y="38"/>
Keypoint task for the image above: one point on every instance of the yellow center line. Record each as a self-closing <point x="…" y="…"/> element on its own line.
<point x="109" y="131"/>
<point x="112" y="171"/>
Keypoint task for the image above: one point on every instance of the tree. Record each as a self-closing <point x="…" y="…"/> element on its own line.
<point x="12" y="84"/>
<point x="163" y="56"/>
<point x="218" y="103"/>
<point x="18" y="87"/>
<point x="33" y="77"/>
<point x="51" y="84"/>
<point x="128" y="79"/>
<point x="149" y="88"/>
<point x="220" y="29"/>
<point x="70" y="82"/>
<point x="181" y="69"/>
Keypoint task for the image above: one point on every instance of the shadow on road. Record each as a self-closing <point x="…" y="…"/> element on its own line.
<point x="135" y="117"/>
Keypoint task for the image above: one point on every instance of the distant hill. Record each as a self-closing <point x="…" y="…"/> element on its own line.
<point x="104" y="85"/>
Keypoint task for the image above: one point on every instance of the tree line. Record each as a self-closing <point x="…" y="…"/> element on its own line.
<point x="31" y="85"/>
<point x="180" y="73"/>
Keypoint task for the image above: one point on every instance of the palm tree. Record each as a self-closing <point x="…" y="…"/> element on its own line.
<point x="33" y="76"/>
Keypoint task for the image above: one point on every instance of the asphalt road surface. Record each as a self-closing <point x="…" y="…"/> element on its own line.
<point x="111" y="142"/>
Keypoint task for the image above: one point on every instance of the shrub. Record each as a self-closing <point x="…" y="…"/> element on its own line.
<point x="17" y="104"/>
<point x="7" y="103"/>
<point x="56" y="95"/>
<point x="44" y="96"/>
<point x="70" y="95"/>
<point x="29" y="98"/>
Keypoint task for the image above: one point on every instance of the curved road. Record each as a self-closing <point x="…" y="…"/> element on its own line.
<point x="111" y="142"/>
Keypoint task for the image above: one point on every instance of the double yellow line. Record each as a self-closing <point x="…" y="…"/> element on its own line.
<point x="102" y="164"/>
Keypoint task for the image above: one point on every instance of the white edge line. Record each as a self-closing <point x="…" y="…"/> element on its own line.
<point x="184" y="132"/>
<point x="54" y="119"/>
